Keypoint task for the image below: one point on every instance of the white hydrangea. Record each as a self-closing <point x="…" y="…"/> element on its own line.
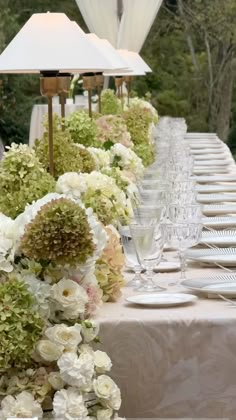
<point x="128" y="159"/>
<point x="71" y="183"/>
<point x="101" y="157"/>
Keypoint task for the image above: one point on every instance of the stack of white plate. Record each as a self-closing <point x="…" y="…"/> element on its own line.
<point x="220" y="285"/>
<point x="222" y="256"/>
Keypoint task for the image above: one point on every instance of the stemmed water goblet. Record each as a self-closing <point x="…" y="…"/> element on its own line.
<point x="182" y="236"/>
<point x="130" y="253"/>
<point x="149" y="251"/>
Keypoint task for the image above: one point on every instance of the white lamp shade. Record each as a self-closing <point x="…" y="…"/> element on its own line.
<point x="135" y="68"/>
<point x="141" y="62"/>
<point x="117" y="62"/>
<point x="48" y="42"/>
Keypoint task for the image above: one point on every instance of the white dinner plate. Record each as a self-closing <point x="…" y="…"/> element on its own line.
<point x="167" y="266"/>
<point x="224" y="284"/>
<point x="162" y="299"/>
<point x="226" y="157"/>
<point x="206" y="145"/>
<point x="216" y="178"/>
<point x="213" y="188"/>
<point x="219" y="222"/>
<point x="222" y="256"/>
<point x="202" y="152"/>
<point x="202" y="170"/>
<point x="211" y="162"/>
<point x="216" y="198"/>
<point x="219" y="238"/>
<point x="218" y="209"/>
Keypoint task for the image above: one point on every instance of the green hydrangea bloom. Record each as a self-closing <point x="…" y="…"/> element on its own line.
<point x="110" y="103"/>
<point x="88" y="161"/>
<point x="66" y="155"/>
<point x="22" y="180"/>
<point x="138" y="121"/>
<point x="60" y="233"/>
<point x="110" y="281"/>
<point x="145" y="152"/>
<point x="82" y="129"/>
<point x="20" y="325"/>
<point x="116" y="173"/>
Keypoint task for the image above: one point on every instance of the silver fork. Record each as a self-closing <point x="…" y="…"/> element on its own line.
<point x="227" y="300"/>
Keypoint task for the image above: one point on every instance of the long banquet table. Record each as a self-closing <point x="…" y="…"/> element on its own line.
<point x="173" y="363"/>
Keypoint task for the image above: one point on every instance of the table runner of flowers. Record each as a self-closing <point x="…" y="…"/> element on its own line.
<point x="61" y="258"/>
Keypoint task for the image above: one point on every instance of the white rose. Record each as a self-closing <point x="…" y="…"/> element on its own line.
<point x="104" y="414"/>
<point x="77" y="371"/>
<point x="23" y="405"/>
<point x="49" y="351"/>
<point x="119" y="418"/>
<point x="69" y="404"/>
<point x="68" y="337"/>
<point x="89" y="330"/>
<point x="71" y="297"/>
<point x="109" y="393"/>
<point x="55" y="380"/>
<point x="102" y="361"/>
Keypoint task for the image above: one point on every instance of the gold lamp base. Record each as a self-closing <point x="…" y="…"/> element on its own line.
<point x="89" y="84"/>
<point x="49" y="88"/>
<point x="99" y="81"/>
<point x="63" y="85"/>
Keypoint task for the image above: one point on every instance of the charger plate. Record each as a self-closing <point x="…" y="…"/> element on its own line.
<point x="216" y="198"/>
<point x="162" y="299"/>
<point x="219" y="222"/>
<point x="218" y="209"/>
<point x="224" y="284"/>
<point x="212" y="188"/>
<point x="222" y="256"/>
<point x="219" y="238"/>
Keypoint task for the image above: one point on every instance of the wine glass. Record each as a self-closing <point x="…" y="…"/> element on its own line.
<point x="182" y="236"/>
<point x="178" y="213"/>
<point x="130" y="253"/>
<point x="149" y="252"/>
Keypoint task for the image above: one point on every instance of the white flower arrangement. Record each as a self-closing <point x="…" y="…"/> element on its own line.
<point x="102" y="157"/>
<point x="127" y="159"/>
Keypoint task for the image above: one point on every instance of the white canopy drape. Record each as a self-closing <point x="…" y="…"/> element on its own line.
<point x="136" y="22"/>
<point x="101" y="18"/>
<point x="130" y="33"/>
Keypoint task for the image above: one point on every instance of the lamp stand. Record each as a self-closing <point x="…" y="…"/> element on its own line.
<point x="128" y="81"/>
<point x="48" y="88"/>
<point x="63" y="85"/>
<point x="89" y="84"/>
<point x="99" y="81"/>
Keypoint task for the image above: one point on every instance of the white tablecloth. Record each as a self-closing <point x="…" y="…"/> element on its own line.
<point x="173" y="363"/>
